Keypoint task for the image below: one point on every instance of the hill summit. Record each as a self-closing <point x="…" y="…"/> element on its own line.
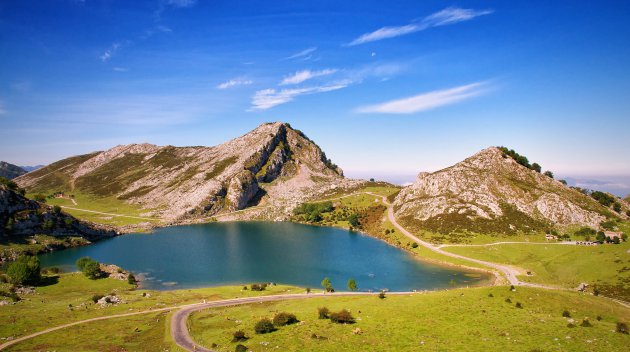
<point x="274" y="167"/>
<point x="10" y="171"/>
<point x="492" y="192"/>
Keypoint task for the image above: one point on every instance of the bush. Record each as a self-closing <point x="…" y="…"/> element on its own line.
<point x="258" y="287"/>
<point x="10" y="295"/>
<point x="381" y="295"/>
<point x="264" y="326"/>
<point x="353" y="220"/>
<point x="414" y="245"/>
<point x="95" y="298"/>
<point x="519" y="305"/>
<point x="131" y="279"/>
<point x="282" y="319"/>
<point x="39" y="198"/>
<point x="508" y="300"/>
<point x="239" y="336"/>
<point x="92" y="270"/>
<point x="566" y="314"/>
<point x="57" y="209"/>
<point x="622" y="328"/>
<point x="490" y="295"/>
<point x="24" y="271"/>
<point x="586" y="323"/>
<point x="342" y="317"/>
<point x="241" y="348"/>
<point x="80" y="263"/>
<point x="323" y="313"/>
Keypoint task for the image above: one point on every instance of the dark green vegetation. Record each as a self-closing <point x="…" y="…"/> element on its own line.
<point x="521" y="159"/>
<point x="11" y="185"/>
<point x="90" y="268"/>
<point x="24" y="271"/>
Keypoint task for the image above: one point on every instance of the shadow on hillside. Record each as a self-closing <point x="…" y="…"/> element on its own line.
<point x="48" y="281"/>
<point x="257" y="198"/>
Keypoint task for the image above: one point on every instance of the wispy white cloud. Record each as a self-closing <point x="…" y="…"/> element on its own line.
<point x="449" y="15"/>
<point x="235" y="82"/>
<point x="302" y="54"/>
<point x="181" y="3"/>
<point x="110" y="52"/>
<point x="268" y="98"/>
<point x="120" y="69"/>
<point x="427" y="101"/>
<point x="305" y="75"/>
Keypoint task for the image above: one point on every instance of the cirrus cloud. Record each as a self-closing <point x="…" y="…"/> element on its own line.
<point x="305" y="75"/>
<point x="427" y="101"/>
<point x="449" y="15"/>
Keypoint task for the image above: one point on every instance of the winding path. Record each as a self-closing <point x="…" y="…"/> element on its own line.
<point x="111" y="214"/>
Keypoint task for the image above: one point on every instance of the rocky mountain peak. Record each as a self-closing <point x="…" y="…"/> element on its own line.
<point x="492" y="192"/>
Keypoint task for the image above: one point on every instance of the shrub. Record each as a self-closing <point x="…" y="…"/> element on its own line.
<point x="308" y="290"/>
<point x="92" y="270"/>
<point x="239" y="336"/>
<point x="282" y="319"/>
<point x="24" y="271"/>
<point x="10" y="295"/>
<point x="508" y="300"/>
<point x="95" y="298"/>
<point x="353" y="220"/>
<point x="352" y="285"/>
<point x="342" y="317"/>
<point x="323" y="313"/>
<point x="241" y="348"/>
<point x="244" y="288"/>
<point x="586" y="323"/>
<point x="39" y="198"/>
<point x="512" y="288"/>
<point x="622" y="328"/>
<point x="131" y="279"/>
<point x="599" y="318"/>
<point x="258" y="287"/>
<point x="264" y="326"/>
<point x="566" y="314"/>
<point x="518" y="305"/>
<point x="414" y="245"/>
<point x="490" y="295"/>
<point x="57" y="209"/>
<point x="80" y="263"/>
<point x="381" y="295"/>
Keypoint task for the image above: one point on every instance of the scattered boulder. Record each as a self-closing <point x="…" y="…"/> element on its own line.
<point x="582" y="287"/>
<point x="109" y="300"/>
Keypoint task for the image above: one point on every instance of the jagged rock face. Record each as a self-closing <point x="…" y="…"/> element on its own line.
<point x="489" y="187"/>
<point x="20" y="217"/>
<point x="10" y="171"/>
<point x="271" y="165"/>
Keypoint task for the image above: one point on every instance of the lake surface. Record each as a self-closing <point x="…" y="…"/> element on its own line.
<point x="248" y="252"/>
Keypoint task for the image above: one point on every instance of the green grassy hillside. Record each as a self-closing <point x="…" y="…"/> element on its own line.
<point x="459" y="320"/>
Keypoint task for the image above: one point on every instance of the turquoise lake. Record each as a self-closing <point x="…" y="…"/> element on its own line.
<point x="249" y="252"/>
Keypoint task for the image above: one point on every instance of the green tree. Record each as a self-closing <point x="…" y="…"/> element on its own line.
<point x="617" y="207"/>
<point x="327" y="285"/>
<point x="352" y="285"/>
<point x="548" y="173"/>
<point x="353" y="220"/>
<point x="536" y="167"/>
<point x="601" y="238"/>
<point x="92" y="270"/>
<point x="40" y="198"/>
<point x="80" y="263"/>
<point x="24" y="271"/>
<point x="57" y="209"/>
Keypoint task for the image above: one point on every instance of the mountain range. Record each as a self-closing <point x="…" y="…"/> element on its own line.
<point x="10" y="171"/>
<point x="274" y="168"/>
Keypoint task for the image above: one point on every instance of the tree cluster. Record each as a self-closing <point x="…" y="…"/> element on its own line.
<point x="89" y="267"/>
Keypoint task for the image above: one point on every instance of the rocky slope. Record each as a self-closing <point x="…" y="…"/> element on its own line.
<point x="10" y="171"/>
<point x="21" y="219"/>
<point x="273" y="167"/>
<point x="491" y="192"/>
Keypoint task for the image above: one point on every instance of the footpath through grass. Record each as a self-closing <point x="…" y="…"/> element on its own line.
<point x="68" y="298"/>
<point x="457" y="320"/>
<point x="563" y="265"/>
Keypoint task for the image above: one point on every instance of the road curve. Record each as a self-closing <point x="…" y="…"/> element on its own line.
<point x="179" y="326"/>
<point x="509" y="272"/>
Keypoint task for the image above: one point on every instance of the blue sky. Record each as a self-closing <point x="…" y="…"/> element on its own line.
<point x="386" y="89"/>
